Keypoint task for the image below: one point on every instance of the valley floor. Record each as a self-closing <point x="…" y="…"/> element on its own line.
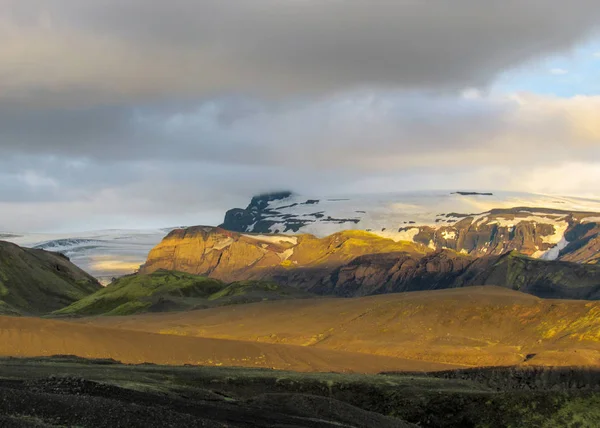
<point x="467" y="327"/>
<point x="312" y="363"/>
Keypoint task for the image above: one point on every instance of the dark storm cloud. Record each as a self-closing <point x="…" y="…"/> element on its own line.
<point x="137" y="48"/>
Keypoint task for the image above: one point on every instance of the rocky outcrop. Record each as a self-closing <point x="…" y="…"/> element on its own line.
<point x="547" y="233"/>
<point x="354" y="263"/>
<point x="34" y="282"/>
<point x="231" y="256"/>
<point x="536" y="232"/>
<point x="257" y="217"/>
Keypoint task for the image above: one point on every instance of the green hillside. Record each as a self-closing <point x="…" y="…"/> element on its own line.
<point x="35" y="282"/>
<point x="164" y="291"/>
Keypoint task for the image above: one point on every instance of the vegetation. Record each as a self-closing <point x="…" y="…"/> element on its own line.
<point x="482" y="398"/>
<point x="34" y="282"/>
<point x="170" y="290"/>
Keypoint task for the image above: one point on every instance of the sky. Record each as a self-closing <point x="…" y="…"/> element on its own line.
<point x="146" y="113"/>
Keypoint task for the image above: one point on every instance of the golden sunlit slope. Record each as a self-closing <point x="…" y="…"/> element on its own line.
<point x="479" y="326"/>
<point x="232" y="256"/>
<point x="28" y="337"/>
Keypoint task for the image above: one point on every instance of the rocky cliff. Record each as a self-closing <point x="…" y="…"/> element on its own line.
<point x="440" y="221"/>
<point x="354" y="263"/>
<point x="232" y="256"/>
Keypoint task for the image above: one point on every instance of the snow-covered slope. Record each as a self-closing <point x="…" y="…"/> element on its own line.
<point x="475" y="223"/>
<point x="323" y="216"/>
<point x="104" y="254"/>
<point x="549" y="227"/>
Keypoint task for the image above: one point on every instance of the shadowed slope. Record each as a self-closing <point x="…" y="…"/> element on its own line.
<point x="356" y="263"/>
<point x="37" y="281"/>
<point x="70" y="391"/>
<point x="478" y="326"/>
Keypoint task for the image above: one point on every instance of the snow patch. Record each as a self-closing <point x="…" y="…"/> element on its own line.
<point x="274" y="239"/>
<point x="448" y="235"/>
<point x="590" y="220"/>
<point x="404" y="235"/>
<point x="559" y="233"/>
<point x="286" y="254"/>
<point x="554" y="252"/>
<point x="223" y="244"/>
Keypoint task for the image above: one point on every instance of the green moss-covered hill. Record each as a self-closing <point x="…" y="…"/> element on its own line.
<point x="35" y="282"/>
<point x="164" y="291"/>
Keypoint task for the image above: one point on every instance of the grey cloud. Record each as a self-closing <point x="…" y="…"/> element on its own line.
<point x="130" y="113"/>
<point x="171" y="165"/>
<point x="131" y="49"/>
<point x="365" y="131"/>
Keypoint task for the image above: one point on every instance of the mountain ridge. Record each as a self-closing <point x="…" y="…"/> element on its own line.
<point x="472" y="222"/>
<point x="357" y="263"/>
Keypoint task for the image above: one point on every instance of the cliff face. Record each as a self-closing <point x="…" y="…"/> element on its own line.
<point x="231" y="256"/>
<point x="34" y="282"/>
<point x="355" y="263"/>
<point x="547" y="233"/>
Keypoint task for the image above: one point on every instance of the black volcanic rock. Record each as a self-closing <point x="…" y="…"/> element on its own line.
<point x="473" y="194"/>
<point x="241" y="220"/>
<point x="533" y="231"/>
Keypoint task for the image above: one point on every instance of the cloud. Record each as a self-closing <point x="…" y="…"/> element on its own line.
<point x="159" y="166"/>
<point x="559" y="71"/>
<point x="130" y="113"/>
<point x="109" y="51"/>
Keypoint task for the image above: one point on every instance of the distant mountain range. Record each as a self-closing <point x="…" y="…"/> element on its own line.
<point x="480" y="224"/>
<point x="357" y="263"/>
<point x="477" y="224"/>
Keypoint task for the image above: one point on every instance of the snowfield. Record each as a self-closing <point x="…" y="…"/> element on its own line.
<point x="385" y="213"/>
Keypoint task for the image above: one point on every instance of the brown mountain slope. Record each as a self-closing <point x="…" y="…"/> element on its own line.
<point x="27" y="337"/>
<point x="231" y="256"/>
<point x="472" y="326"/>
<point x="353" y="263"/>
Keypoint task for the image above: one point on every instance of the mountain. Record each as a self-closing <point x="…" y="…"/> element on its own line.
<point x="164" y="291"/>
<point x="480" y="224"/>
<point x="35" y="282"/>
<point x="231" y="256"/>
<point x="393" y="273"/>
<point x="356" y="263"/>
<point x="104" y="253"/>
